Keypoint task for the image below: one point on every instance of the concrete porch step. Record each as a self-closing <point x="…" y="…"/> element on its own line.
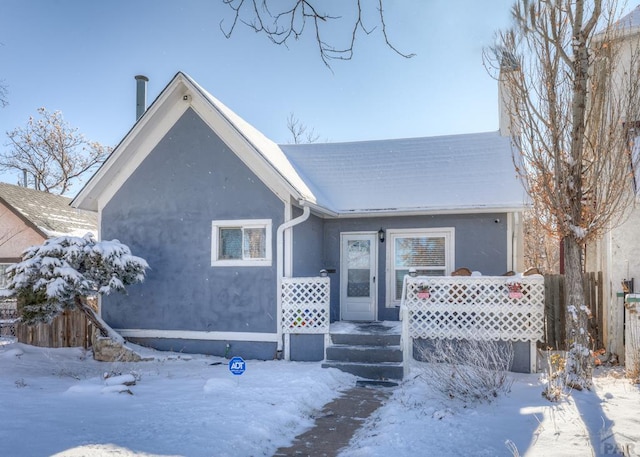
<point x="376" y="371"/>
<point x="360" y="339"/>
<point x="370" y="350"/>
<point x="365" y="354"/>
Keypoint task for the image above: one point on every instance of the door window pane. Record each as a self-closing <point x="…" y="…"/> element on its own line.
<point x="358" y="268"/>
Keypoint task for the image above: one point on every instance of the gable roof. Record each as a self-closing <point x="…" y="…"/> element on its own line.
<point x="262" y="145"/>
<point x="259" y="153"/>
<point x="49" y="214"/>
<point x="469" y="173"/>
<point x="454" y="173"/>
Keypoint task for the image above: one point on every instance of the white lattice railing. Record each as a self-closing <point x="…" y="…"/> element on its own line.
<point x="305" y="305"/>
<point x="474" y="307"/>
<point x="8" y="317"/>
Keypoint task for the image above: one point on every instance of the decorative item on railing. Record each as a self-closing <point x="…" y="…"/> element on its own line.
<point x="305" y="305"/>
<point x="514" y="289"/>
<point x="422" y="291"/>
<point x="474" y="307"/>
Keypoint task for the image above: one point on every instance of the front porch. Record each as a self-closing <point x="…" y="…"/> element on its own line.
<point x="496" y="308"/>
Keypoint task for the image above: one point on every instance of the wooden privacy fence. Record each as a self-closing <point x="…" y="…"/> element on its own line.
<point x="71" y="328"/>
<point x="555" y="334"/>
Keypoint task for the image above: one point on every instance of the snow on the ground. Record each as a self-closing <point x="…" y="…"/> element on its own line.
<point x="418" y="421"/>
<point x="59" y="402"/>
<point x="350" y="328"/>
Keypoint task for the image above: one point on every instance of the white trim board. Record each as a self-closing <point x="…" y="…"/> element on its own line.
<point x="196" y="335"/>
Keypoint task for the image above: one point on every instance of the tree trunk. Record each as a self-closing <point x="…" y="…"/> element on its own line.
<point x="96" y="320"/>
<point x="579" y="367"/>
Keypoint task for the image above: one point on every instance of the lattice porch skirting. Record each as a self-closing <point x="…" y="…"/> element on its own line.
<point x="494" y="308"/>
<point x="305" y="308"/>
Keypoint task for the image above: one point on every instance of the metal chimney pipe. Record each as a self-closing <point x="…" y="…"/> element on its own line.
<point x="141" y="95"/>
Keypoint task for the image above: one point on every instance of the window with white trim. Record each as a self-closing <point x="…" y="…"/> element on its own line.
<point x="429" y="251"/>
<point x="3" y="275"/>
<point x="243" y="242"/>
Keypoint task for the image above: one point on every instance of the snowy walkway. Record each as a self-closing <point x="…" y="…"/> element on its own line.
<point x="336" y="423"/>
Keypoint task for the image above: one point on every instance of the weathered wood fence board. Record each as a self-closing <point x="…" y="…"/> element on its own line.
<point x="555" y="335"/>
<point x="555" y="310"/>
<point x="69" y="329"/>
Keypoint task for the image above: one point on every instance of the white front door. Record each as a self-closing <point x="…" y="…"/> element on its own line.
<point x="358" y="276"/>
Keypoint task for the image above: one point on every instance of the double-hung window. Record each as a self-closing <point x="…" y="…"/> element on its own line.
<point x="430" y="252"/>
<point x="244" y="242"/>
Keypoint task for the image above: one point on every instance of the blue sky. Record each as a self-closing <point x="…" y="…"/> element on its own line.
<point x="80" y="57"/>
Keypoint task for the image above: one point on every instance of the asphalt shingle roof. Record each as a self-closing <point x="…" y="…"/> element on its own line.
<point x="50" y="213"/>
<point x="443" y="173"/>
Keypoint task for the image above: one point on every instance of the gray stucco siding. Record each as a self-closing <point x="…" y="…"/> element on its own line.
<point x="308" y="255"/>
<point x="480" y="244"/>
<point x="164" y="212"/>
<point x="245" y="349"/>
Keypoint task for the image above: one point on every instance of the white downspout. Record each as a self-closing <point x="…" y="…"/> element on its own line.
<point x="306" y="212"/>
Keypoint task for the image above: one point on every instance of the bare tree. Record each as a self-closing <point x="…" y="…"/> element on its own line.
<point x="300" y="133"/>
<point x="3" y="95"/>
<point x="541" y="246"/>
<point x="571" y="104"/>
<point x="285" y="21"/>
<point x="52" y="152"/>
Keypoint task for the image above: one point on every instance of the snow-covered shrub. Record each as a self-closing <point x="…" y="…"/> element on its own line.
<point x="469" y="370"/>
<point x="60" y="273"/>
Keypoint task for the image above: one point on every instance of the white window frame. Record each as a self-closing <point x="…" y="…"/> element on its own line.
<point x="244" y="224"/>
<point x="448" y="233"/>
<point x="2" y="273"/>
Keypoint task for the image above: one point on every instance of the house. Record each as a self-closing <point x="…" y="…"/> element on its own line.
<point x="224" y="217"/>
<point x="28" y="217"/>
<point x="617" y="252"/>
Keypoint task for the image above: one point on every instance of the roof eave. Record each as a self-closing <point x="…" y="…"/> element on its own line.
<point x="87" y="198"/>
<point x="430" y="211"/>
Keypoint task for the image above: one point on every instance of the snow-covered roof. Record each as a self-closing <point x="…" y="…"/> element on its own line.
<point x="49" y="213"/>
<point x="468" y="173"/>
<point x="432" y="174"/>
<point x="263" y="145"/>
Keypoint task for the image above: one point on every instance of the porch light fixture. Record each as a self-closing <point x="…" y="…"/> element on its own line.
<point x="381" y="235"/>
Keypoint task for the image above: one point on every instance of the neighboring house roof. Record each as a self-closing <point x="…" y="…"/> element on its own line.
<point x="434" y="174"/>
<point x="467" y="173"/>
<point x="630" y="22"/>
<point x="50" y="214"/>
